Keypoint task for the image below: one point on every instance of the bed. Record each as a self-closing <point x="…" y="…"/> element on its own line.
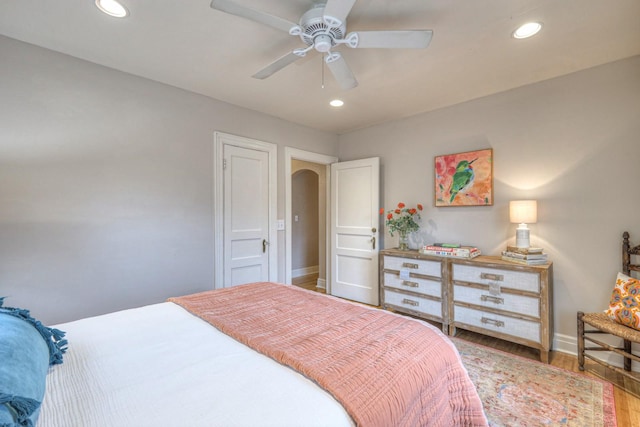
<point x="260" y="354"/>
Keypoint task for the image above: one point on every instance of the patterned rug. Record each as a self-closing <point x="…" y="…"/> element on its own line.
<point x="516" y="391"/>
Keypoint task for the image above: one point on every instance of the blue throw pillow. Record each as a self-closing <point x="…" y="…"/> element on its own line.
<point x="27" y="349"/>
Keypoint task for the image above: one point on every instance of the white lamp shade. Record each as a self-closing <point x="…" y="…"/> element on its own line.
<point x="523" y="211"/>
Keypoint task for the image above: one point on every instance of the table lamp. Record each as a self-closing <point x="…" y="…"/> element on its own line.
<point x="523" y="212"/>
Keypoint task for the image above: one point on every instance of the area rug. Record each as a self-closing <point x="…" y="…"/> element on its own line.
<point x="516" y="391"/>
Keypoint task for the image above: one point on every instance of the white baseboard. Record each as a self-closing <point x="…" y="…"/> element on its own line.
<point x="305" y="271"/>
<point x="565" y="344"/>
<point x="569" y="345"/>
<point x="321" y="284"/>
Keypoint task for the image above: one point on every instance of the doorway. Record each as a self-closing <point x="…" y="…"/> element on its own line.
<point x="351" y="232"/>
<point x="295" y="161"/>
<point x="308" y="209"/>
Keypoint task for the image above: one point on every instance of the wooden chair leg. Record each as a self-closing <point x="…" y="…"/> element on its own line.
<point x="627" y="360"/>
<point x="580" y="341"/>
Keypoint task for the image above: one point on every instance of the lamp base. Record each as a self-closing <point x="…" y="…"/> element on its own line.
<point x="522" y="236"/>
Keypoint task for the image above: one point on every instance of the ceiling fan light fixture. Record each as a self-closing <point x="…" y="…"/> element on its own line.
<point x="112" y="8"/>
<point x="527" y="30"/>
<point x="322" y="43"/>
<point x="336" y="103"/>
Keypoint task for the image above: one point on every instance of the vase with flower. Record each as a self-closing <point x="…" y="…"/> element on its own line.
<point x="402" y="220"/>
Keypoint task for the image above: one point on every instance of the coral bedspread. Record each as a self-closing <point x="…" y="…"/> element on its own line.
<point x="385" y="369"/>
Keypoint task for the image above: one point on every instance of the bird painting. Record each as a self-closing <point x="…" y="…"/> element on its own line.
<point x="462" y="178"/>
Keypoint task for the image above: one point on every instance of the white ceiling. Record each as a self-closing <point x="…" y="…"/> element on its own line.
<point x="185" y="43"/>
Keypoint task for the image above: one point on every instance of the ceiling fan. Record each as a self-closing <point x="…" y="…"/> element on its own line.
<point x="323" y="28"/>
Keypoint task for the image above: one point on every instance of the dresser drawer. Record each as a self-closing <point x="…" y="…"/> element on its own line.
<point x="522" y="280"/>
<point x="414" y="303"/>
<point x="520" y="304"/>
<point x="528" y="330"/>
<point x="418" y="266"/>
<point x="413" y="284"/>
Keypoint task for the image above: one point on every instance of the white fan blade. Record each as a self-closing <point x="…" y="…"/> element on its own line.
<point x="342" y="73"/>
<point x="252" y="14"/>
<point x="278" y="65"/>
<point x="336" y="11"/>
<point x="415" y="39"/>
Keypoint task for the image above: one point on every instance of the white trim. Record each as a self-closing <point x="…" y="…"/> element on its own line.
<point x="565" y="344"/>
<point x="290" y="154"/>
<point x="321" y="284"/>
<point x="221" y="139"/>
<point x="305" y="271"/>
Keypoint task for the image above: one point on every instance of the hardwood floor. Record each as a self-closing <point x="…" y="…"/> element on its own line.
<point x="626" y="391"/>
<point x="309" y="282"/>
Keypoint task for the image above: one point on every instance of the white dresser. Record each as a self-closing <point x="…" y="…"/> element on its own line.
<point x="415" y="284"/>
<point x="502" y="299"/>
<point x="486" y="295"/>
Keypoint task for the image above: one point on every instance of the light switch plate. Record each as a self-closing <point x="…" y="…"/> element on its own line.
<point x="280" y="225"/>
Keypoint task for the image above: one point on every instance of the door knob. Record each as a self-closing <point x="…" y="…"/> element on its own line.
<point x="264" y="245"/>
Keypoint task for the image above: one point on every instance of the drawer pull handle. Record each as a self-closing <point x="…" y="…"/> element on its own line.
<point x="410" y="302"/>
<point x="409" y="265"/>
<point x="498" y="323"/>
<point x="491" y="298"/>
<point x="410" y="284"/>
<point x="491" y="276"/>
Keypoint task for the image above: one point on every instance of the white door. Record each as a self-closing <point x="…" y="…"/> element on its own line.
<point x="244" y="217"/>
<point x="354" y="230"/>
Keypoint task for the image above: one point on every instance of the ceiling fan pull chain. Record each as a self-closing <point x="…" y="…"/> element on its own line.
<point x="322" y="66"/>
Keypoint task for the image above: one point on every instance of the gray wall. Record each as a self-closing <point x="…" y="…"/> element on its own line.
<point x="572" y="143"/>
<point x="106" y="184"/>
<point x="106" y="180"/>
<point x="304" y="206"/>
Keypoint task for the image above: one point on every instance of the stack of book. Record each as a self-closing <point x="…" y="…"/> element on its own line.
<point x="450" y="250"/>
<point x="526" y="256"/>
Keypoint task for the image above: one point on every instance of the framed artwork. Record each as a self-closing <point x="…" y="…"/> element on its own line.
<point x="464" y="179"/>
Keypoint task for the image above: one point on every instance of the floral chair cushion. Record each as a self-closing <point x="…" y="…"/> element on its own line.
<point x="624" y="306"/>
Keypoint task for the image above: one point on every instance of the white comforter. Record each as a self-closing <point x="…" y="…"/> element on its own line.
<point x="161" y="366"/>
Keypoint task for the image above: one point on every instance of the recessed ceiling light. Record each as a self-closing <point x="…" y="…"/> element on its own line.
<point x="112" y="7"/>
<point x="527" y="30"/>
<point x="336" y="103"/>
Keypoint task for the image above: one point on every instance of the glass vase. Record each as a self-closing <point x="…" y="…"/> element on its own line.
<point x="403" y="242"/>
